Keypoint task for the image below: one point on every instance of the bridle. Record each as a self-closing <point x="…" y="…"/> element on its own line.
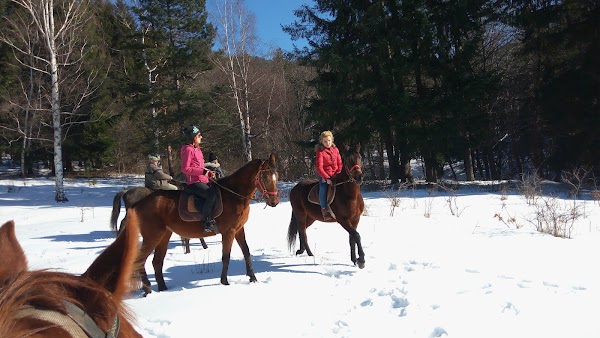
<point x="350" y="176"/>
<point x="76" y="322"/>
<point x="261" y="187"/>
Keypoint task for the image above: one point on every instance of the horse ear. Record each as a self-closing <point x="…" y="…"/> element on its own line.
<point x="113" y="269"/>
<point x="272" y="162"/>
<point x="357" y="147"/>
<point x="13" y="257"/>
<point x="346" y="147"/>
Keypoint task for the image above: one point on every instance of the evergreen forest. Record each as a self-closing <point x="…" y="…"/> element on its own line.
<point x="496" y="89"/>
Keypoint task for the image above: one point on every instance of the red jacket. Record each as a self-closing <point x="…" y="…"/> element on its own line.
<point x="329" y="161"/>
<point x="192" y="164"/>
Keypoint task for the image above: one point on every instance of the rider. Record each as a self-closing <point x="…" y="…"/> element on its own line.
<point x="328" y="164"/>
<point x="214" y="165"/>
<point x="196" y="175"/>
<point x="155" y="178"/>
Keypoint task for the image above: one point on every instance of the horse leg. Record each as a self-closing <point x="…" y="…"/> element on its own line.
<point x="159" y="257"/>
<point x="145" y="251"/>
<point x="240" y="237"/>
<point x="227" y="243"/>
<point x="361" y="253"/>
<point x="303" y="224"/>
<point x="352" y="249"/>
<point x="355" y="242"/>
<point x="186" y="244"/>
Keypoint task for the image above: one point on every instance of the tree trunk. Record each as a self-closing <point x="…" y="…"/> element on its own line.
<point x="380" y="161"/>
<point x="60" y="195"/>
<point x="392" y="159"/>
<point x="468" y="160"/>
<point x="430" y="170"/>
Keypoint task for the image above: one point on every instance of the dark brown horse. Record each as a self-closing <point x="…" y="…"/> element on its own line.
<point x="55" y="304"/>
<point x="130" y="197"/>
<point x="159" y="217"/>
<point x="347" y="206"/>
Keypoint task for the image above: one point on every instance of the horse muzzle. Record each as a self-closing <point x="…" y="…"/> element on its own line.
<point x="272" y="201"/>
<point x="358" y="179"/>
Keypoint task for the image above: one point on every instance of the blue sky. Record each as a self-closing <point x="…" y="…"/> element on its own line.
<point x="270" y="15"/>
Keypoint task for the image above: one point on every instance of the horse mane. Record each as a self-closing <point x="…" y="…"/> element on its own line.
<point x="247" y="170"/>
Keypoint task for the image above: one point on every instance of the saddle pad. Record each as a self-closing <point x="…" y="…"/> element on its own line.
<point x="313" y="194"/>
<point x="187" y="207"/>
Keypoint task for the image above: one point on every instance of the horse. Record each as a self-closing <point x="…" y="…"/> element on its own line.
<point x="159" y="217"/>
<point x="347" y="206"/>
<point x="130" y="197"/>
<point x="48" y="303"/>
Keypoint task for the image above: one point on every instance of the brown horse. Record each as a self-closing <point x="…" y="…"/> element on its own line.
<point x="130" y="197"/>
<point x="54" y="304"/>
<point x="347" y="206"/>
<point x="159" y="217"/>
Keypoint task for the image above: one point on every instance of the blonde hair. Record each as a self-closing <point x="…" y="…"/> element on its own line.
<point x="325" y="134"/>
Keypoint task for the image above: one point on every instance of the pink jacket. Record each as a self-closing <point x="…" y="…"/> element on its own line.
<point x="192" y="164"/>
<point x="329" y="161"/>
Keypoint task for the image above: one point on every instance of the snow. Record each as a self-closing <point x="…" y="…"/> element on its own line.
<point x="428" y="273"/>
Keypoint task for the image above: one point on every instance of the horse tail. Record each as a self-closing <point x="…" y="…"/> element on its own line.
<point x="292" y="231"/>
<point x="116" y="210"/>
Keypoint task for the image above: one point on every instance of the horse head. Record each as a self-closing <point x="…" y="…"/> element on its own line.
<point x="353" y="163"/>
<point x="54" y="304"/>
<point x="266" y="181"/>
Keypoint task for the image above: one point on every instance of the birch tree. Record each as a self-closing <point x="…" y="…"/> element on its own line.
<point x="59" y="27"/>
<point x="237" y="39"/>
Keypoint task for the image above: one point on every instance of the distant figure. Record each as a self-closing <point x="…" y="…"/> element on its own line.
<point x="214" y="165"/>
<point x="155" y="177"/>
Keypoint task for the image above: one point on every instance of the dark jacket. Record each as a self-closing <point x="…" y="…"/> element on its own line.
<point x="216" y="167"/>
<point x="155" y="178"/>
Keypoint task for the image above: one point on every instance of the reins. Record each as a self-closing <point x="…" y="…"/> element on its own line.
<point x="257" y="182"/>
<point x="351" y="178"/>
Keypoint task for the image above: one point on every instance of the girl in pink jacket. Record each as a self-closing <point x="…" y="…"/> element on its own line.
<point x="197" y="176"/>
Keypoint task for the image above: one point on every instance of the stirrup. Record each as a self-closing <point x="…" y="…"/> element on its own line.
<point x="211" y="225"/>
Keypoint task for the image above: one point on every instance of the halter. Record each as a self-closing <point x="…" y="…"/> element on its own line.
<point x="260" y="186"/>
<point x="76" y="322"/>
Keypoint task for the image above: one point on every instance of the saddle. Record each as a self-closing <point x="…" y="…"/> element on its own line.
<point x="187" y="206"/>
<point x="313" y="194"/>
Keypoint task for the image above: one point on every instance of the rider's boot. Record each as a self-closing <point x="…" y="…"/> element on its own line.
<point x="326" y="214"/>
<point x="210" y="225"/>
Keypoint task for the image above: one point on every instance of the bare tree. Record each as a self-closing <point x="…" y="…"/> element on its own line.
<point x="58" y="26"/>
<point x="237" y="39"/>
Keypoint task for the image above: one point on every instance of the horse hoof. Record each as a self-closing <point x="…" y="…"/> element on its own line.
<point x="299" y="252"/>
<point x="361" y="265"/>
<point x="253" y="280"/>
<point x="224" y="282"/>
<point x="162" y="289"/>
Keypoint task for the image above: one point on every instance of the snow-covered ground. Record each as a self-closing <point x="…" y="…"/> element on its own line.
<point x="468" y="264"/>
